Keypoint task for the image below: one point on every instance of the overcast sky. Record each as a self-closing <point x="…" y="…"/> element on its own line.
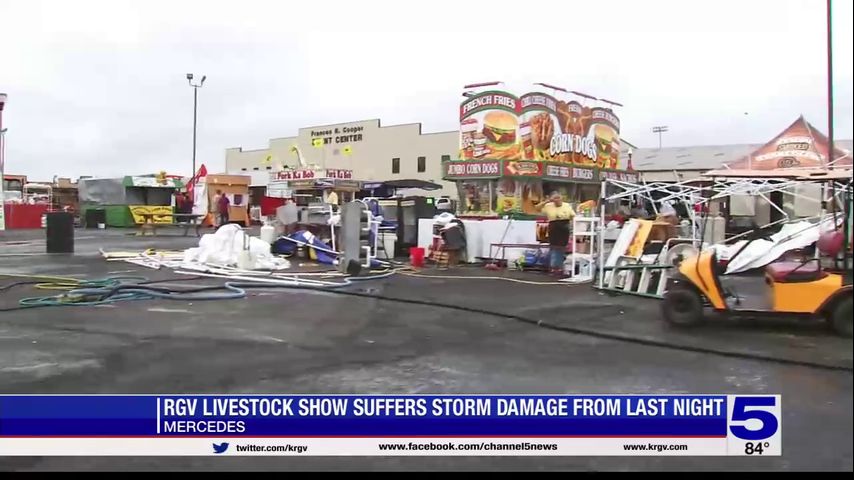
<point x="99" y="88"/>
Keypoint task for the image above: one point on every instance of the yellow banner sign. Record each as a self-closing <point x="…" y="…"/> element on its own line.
<point x="151" y="213"/>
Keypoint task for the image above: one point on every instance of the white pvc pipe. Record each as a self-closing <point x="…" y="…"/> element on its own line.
<point x="295" y="281"/>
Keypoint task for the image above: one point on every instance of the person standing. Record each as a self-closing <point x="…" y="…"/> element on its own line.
<point x="180" y="200"/>
<point x="214" y="207"/>
<point x="221" y="204"/>
<point x="559" y="215"/>
<point x="188" y="203"/>
<point x="638" y="211"/>
<point x="332" y="197"/>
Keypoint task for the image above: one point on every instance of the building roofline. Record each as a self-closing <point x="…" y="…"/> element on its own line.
<point x="241" y="150"/>
<point x="715" y="145"/>
<point x="420" y="126"/>
<point x="456" y="132"/>
<point x="379" y="123"/>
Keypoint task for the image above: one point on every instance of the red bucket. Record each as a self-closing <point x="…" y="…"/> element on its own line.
<point x="416" y="257"/>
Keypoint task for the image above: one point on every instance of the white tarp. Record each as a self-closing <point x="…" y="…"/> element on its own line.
<point x="762" y="252"/>
<point x="225" y="245"/>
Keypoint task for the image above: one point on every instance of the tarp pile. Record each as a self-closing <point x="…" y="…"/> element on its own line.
<point x="227" y="244"/>
<point x="230" y="246"/>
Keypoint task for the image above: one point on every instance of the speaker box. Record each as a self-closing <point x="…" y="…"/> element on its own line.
<point x="60" y="232"/>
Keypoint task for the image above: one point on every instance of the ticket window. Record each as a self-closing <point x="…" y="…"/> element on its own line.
<point x="477" y="197"/>
<point x="564" y="189"/>
<point x="588" y="192"/>
<point x="239" y="199"/>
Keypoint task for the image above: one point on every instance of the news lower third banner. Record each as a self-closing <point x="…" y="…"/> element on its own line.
<point x="384" y="425"/>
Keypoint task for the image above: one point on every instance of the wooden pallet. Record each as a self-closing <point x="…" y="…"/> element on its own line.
<point x="441" y="258"/>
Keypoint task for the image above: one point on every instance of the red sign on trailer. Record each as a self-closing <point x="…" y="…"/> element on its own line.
<point x="473" y="169"/>
<point x="310" y="174"/>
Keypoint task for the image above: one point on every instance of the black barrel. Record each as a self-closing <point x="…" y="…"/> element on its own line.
<point x="60" y="232"/>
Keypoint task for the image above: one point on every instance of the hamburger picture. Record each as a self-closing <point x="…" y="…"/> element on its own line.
<point x="605" y="142"/>
<point x="499" y="128"/>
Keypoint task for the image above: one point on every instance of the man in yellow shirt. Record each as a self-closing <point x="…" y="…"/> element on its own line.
<point x="559" y="215"/>
<point x="331" y="197"/>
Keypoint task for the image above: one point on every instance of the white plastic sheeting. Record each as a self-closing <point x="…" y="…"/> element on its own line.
<point x="482" y="234"/>
<point x="762" y="252"/>
<point x="200" y="196"/>
<point x="225" y="245"/>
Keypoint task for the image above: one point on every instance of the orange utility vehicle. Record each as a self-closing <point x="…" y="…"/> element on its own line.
<point x="820" y="286"/>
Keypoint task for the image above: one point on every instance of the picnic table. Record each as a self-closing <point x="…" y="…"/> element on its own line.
<point x="185" y="220"/>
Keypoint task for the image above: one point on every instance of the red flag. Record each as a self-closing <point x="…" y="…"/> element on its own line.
<point x="203" y="172"/>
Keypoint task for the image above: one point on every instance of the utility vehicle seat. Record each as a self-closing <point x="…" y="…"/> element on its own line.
<point x="829" y="243"/>
<point x="788" y="272"/>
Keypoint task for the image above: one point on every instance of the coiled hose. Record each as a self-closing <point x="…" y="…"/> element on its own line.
<point x="87" y="293"/>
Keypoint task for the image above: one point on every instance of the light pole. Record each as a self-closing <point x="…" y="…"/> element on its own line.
<point x="196" y="88"/>
<point x="2" y="163"/>
<point x="830" y="151"/>
<point x="659" y="129"/>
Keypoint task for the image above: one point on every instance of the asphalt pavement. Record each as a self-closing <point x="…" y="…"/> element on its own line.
<point x="318" y="342"/>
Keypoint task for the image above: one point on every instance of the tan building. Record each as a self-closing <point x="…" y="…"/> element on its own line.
<point x="373" y="152"/>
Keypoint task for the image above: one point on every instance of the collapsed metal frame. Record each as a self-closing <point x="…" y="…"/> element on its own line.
<point x="716" y="185"/>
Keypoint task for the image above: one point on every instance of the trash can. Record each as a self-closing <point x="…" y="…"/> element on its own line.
<point x="389" y="239"/>
<point x="416" y="257"/>
<point x="60" y="232"/>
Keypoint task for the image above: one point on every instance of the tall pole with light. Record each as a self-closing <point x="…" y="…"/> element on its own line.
<point x="2" y="163"/>
<point x="659" y="129"/>
<point x="196" y="87"/>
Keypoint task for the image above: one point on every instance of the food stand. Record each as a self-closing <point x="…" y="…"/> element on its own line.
<point x="512" y="188"/>
<point x="65" y="195"/>
<point x="309" y="188"/>
<point x="28" y="210"/>
<point x="236" y="188"/>
<point x="516" y="150"/>
<point x="126" y="201"/>
<point x="313" y="185"/>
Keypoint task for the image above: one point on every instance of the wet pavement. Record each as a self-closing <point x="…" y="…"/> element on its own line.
<point x="319" y="342"/>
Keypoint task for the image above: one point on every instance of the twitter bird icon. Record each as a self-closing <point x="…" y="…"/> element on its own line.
<point x="220" y="448"/>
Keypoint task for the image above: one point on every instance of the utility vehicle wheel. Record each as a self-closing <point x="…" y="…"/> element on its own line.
<point x="682" y="307"/>
<point x="840" y="317"/>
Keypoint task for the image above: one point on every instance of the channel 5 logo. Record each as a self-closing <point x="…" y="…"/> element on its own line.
<point x="754" y="417"/>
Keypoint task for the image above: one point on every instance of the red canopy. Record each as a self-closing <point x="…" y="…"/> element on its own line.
<point x="798" y="146"/>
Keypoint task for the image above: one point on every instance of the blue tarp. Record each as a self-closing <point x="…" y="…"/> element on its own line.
<point x="288" y="246"/>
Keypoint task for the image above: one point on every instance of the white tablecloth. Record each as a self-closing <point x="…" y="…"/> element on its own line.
<point x="480" y="234"/>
